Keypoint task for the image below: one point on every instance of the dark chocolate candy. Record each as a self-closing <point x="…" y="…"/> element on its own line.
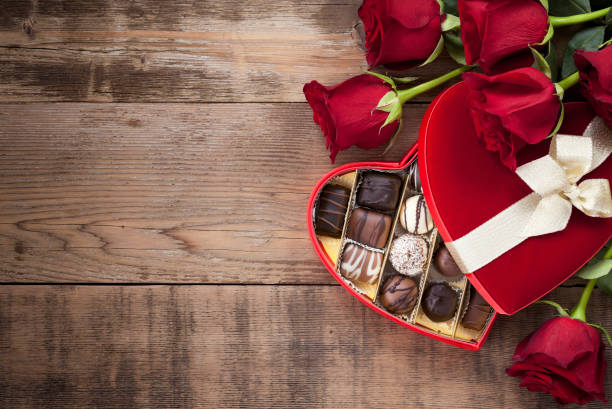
<point x="399" y="294"/>
<point x="331" y="211"/>
<point x="379" y="191"/>
<point x="477" y="312"/>
<point x="369" y="227"/>
<point x="439" y="302"/>
<point x="445" y="263"/>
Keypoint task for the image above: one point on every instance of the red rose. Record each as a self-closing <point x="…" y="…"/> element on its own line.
<point x="400" y="31"/>
<point x="497" y="33"/>
<point x="512" y="109"/>
<point x="346" y="113"/>
<point x="565" y="358"/>
<point x="596" y="80"/>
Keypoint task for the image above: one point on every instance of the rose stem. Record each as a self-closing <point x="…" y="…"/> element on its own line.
<point x="579" y="311"/>
<point x="578" y="18"/>
<point x="570" y="81"/>
<point x="407" y="94"/>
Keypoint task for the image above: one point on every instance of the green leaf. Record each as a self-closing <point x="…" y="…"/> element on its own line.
<point x="450" y="7"/>
<point x="451" y="22"/>
<point x="435" y="53"/>
<point x="540" y="62"/>
<point x="605" y="284"/>
<point x="549" y="34"/>
<point x="609" y="18"/>
<point x="454" y="46"/>
<point x="551" y="59"/>
<point x="587" y="39"/>
<point x="562" y="311"/>
<point x="560" y="91"/>
<point x="385" y="78"/>
<point x="394" y="114"/>
<point x="560" y="120"/>
<point x="595" y="270"/>
<point x="393" y="139"/>
<point x="387" y="101"/>
<point x="562" y="8"/>
<point x="545" y="4"/>
<point x="404" y="80"/>
<point x="602" y="329"/>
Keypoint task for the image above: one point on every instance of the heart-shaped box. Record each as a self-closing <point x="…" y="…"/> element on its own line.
<point x="465" y="185"/>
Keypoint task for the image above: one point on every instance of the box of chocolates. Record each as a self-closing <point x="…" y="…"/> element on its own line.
<point x="373" y="230"/>
<point x="437" y="242"/>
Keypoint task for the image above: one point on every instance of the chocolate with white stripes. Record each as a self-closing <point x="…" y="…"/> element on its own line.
<point x="360" y="264"/>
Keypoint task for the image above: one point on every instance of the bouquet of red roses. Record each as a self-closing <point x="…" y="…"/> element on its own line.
<point x="515" y="99"/>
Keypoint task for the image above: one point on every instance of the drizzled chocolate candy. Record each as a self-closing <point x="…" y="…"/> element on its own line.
<point x="399" y="294"/>
<point x="360" y="264"/>
<point x="331" y="211"/>
<point x="369" y="227"/>
<point x="415" y="217"/>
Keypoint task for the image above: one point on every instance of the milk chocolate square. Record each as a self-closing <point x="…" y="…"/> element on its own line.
<point x="379" y="191"/>
<point x="477" y="313"/>
<point x="369" y="227"/>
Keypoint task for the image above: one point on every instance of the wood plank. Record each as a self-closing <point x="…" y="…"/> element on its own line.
<point x="206" y="193"/>
<point x="199" y="51"/>
<point x="239" y="346"/>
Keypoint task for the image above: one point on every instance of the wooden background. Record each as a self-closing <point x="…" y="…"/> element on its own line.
<point x="155" y="164"/>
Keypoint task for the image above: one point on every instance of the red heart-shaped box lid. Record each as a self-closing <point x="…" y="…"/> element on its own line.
<point x="465" y="185"/>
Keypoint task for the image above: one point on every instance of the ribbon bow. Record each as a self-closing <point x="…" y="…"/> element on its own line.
<point x="555" y="177"/>
<point x="554" y="180"/>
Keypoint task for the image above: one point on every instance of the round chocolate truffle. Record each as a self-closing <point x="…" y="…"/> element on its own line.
<point x="408" y="254"/>
<point x="445" y="263"/>
<point x="399" y="294"/>
<point x="414" y="215"/>
<point x="439" y="302"/>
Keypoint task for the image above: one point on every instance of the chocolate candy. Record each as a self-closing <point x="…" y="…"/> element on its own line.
<point x="331" y="211"/>
<point x="439" y="302"/>
<point x="445" y="263"/>
<point x="399" y="294"/>
<point x="477" y="312"/>
<point x="379" y="191"/>
<point x="415" y="216"/>
<point x="408" y="254"/>
<point x="369" y="227"/>
<point x="360" y="264"/>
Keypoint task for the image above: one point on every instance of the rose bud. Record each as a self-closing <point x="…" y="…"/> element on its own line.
<point x="401" y="33"/>
<point x="596" y="80"/>
<point x="565" y="358"/>
<point x="497" y="34"/>
<point x="512" y="109"/>
<point x="347" y="113"/>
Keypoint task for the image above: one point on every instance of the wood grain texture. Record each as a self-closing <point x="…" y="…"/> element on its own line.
<point x="246" y="346"/>
<point x="205" y="193"/>
<point x="191" y="51"/>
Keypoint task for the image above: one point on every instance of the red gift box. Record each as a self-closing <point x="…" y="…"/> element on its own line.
<point x="464" y="185"/>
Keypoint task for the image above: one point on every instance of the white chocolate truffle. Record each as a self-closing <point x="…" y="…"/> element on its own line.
<point x="409" y="254"/>
<point x="360" y="264"/>
<point x="415" y="216"/>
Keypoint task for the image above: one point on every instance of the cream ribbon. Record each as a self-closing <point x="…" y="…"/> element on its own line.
<point x="554" y="180"/>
